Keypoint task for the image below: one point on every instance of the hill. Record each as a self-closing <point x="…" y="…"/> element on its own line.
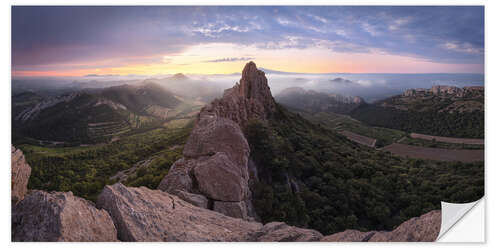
<point x="91" y="116"/>
<point x="187" y="87"/>
<point x="314" y="102"/>
<point x="442" y="111"/>
<point x="142" y="99"/>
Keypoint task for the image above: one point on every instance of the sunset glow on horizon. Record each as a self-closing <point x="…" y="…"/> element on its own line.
<point x="79" y="41"/>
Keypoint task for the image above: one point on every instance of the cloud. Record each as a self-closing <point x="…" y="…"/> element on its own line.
<point x="98" y="75"/>
<point x="462" y="48"/>
<point x="283" y="21"/>
<point x="213" y="30"/>
<point x="321" y="19"/>
<point x="118" y="36"/>
<point x="229" y="59"/>
<point x="370" y="29"/>
<point x="399" y="22"/>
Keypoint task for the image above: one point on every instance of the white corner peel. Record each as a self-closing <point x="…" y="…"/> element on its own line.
<point x="451" y="213"/>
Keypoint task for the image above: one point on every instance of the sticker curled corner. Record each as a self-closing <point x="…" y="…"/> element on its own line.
<point x="451" y="213"/>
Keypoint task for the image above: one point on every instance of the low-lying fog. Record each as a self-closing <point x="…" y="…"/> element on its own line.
<point x="371" y="87"/>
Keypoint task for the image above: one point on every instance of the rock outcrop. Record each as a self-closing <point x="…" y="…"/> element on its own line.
<point x="20" y="175"/>
<point x="59" y="216"/>
<point x="280" y="232"/>
<point x="215" y="162"/>
<point x="446" y="91"/>
<point x="424" y="228"/>
<point x="250" y="99"/>
<point x="142" y="214"/>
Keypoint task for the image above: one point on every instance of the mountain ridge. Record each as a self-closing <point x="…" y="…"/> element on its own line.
<point x="313" y="101"/>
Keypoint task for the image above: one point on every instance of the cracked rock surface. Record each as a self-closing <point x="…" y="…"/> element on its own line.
<point x="60" y="216"/>
<point x="142" y="214"/>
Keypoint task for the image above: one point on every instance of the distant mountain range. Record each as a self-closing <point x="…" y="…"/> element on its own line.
<point x="187" y="87"/>
<point x="313" y="102"/>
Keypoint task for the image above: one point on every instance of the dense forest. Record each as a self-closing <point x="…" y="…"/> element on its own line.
<point x="464" y="124"/>
<point x="310" y="176"/>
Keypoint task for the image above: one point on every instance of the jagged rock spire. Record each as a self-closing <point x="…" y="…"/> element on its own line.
<point x="253" y="85"/>
<point x="214" y="167"/>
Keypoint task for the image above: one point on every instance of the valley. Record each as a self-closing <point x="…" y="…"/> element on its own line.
<point x="307" y="166"/>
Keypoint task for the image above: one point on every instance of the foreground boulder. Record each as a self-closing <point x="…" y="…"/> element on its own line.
<point x="280" y="232"/>
<point x="424" y="228"/>
<point x="215" y="162"/>
<point x="142" y="214"/>
<point x="59" y="216"/>
<point x="20" y="175"/>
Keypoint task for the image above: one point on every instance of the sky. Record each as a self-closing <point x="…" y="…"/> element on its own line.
<point x="87" y="41"/>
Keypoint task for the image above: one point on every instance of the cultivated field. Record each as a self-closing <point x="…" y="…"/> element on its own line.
<point x="447" y="139"/>
<point x="367" y="141"/>
<point x="439" y="154"/>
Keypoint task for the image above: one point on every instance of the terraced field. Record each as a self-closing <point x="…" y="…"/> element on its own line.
<point x="139" y="121"/>
<point x="367" y="141"/>
<point x="177" y="123"/>
<point x="107" y="129"/>
<point x="438" y="154"/>
<point x="158" y="111"/>
<point x="448" y="139"/>
<point x="438" y="144"/>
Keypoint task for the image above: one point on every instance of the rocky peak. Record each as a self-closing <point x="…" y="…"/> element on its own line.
<point x="214" y="170"/>
<point x="251" y="98"/>
<point x="253" y="85"/>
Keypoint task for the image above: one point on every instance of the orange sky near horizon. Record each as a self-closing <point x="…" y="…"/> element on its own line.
<point x="199" y="60"/>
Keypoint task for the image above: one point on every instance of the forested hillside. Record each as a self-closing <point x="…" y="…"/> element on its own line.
<point x="443" y="111"/>
<point x="311" y="176"/>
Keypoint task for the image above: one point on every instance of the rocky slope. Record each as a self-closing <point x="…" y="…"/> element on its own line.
<point x="313" y="102"/>
<point x="214" y="172"/>
<point x="423" y="228"/>
<point x="59" y="216"/>
<point x="142" y="214"/>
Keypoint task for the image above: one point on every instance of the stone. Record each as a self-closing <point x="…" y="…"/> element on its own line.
<point x="20" y="175"/>
<point x="216" y="134"/>
<point x="281" y="232"/>
<point x="60" y="216"/>
<point x="178" y="177"/>
<point x="220" y="179"/>
<point x="233" y="209"/>
<point x="349" y="235"/>
<point x="195" y="199"/>
<point x="142" y="214"/>
<point x="424" y="228"/>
